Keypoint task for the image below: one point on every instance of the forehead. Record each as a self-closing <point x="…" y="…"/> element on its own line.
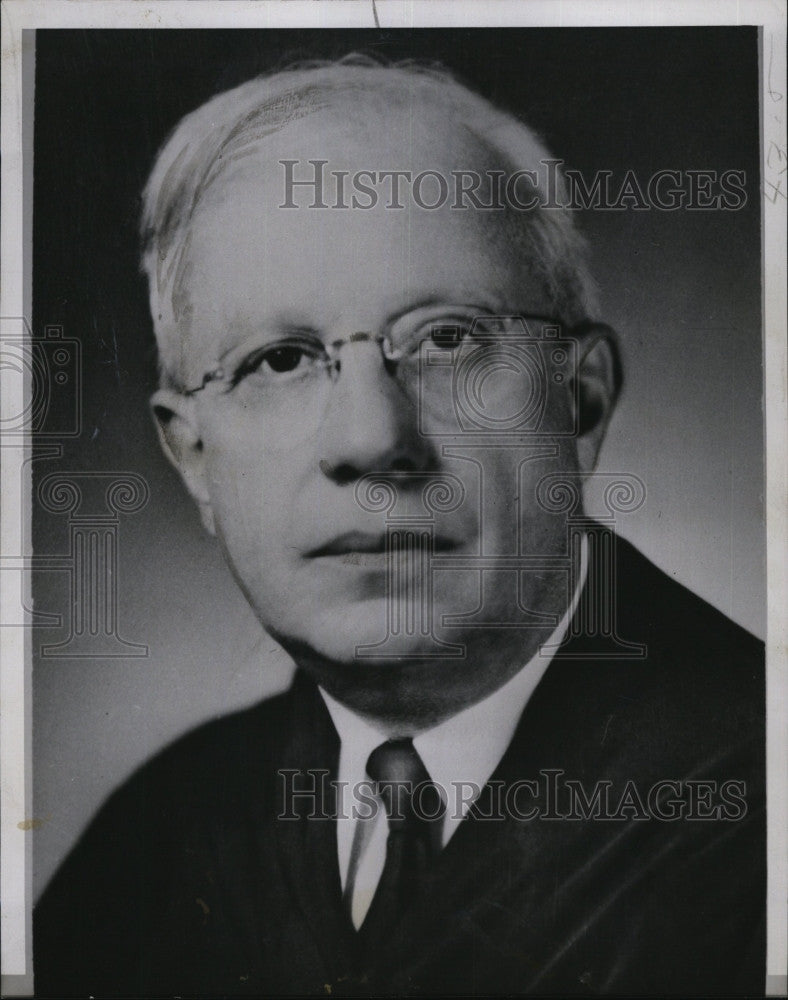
<point x="249" y="258"/>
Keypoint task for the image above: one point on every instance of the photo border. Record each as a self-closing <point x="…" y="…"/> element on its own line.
<point x="21" y="18"/>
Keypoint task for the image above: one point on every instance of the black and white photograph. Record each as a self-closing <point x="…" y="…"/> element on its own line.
<point x="397" y="555"/>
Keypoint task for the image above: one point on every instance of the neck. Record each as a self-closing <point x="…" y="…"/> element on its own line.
<point x="406" y="697"/>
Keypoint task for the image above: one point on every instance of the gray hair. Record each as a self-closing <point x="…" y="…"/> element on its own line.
<point x="204" y="141"/>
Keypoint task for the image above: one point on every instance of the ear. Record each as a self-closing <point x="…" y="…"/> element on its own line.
<point x="180" y="440"/>
<point x="597" y="383"/>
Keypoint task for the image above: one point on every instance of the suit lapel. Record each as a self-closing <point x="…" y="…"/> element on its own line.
<point x="307" y="844"/>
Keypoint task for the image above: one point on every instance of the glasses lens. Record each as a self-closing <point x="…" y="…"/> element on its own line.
<point x="284" y="385"/>
<point x="292" y="414"/>
<point x="488" y="374"/>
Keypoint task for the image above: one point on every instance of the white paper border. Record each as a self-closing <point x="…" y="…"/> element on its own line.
<point x="20" y="15"/>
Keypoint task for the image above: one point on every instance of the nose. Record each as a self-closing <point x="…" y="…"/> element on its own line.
<point x="370" y="424"/>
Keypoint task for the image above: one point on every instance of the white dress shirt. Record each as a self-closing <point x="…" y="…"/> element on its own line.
<point x="459" y="753"/>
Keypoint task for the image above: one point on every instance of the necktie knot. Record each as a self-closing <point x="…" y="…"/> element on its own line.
<point x="413" y="804"/>
<point x="404" y="785"/>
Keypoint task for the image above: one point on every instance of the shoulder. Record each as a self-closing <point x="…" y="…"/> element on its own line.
<point x="673" y="617"/>
<point x="139" y="855"/>
<point x="208" y="767"/>
<point x="689" y="695"/>
<point x="200" y="776"/>
<point x="695" y="655"/>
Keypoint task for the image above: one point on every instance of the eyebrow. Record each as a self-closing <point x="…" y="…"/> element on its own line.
<point x="435" y="300"/>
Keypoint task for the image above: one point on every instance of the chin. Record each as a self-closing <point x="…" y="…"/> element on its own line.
<point x="333" y="630"/>
<point x="356" y="634"/>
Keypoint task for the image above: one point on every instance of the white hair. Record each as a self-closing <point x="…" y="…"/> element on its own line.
<point x="200" y="148"/>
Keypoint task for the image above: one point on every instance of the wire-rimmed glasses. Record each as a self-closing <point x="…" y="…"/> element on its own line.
<point x="497" y="364"/>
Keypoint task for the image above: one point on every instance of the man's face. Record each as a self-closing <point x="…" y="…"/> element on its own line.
<point x="280" y="479"/>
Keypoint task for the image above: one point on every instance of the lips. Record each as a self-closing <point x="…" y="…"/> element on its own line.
<point x="351" y="543"/>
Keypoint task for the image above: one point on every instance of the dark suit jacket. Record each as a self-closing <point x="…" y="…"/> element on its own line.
<point x="187" y="883"/>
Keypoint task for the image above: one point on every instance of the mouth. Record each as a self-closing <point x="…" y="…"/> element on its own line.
<point x="365" y="548"/>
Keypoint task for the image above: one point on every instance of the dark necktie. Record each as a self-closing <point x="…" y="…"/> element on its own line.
<point x="414" y="808"/>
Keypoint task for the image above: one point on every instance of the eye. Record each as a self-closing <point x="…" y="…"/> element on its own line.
<point x="283" y="359"/>
<point x="445" y="332"/>
<point x="449" y="335"/>
<point x="294" y="356"/>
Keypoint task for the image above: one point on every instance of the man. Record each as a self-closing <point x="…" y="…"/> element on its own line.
<point x="380" y="382"/>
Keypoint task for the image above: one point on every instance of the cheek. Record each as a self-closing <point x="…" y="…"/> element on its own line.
<point x="250" y="493"/>
<point x="515" y="495"/>
<point x="543" y="521"/>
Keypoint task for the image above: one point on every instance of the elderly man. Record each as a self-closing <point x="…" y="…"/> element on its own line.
<point x="381" y="375"/>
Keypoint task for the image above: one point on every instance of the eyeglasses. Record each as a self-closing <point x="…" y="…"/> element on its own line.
<point x="496" y="367"/>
